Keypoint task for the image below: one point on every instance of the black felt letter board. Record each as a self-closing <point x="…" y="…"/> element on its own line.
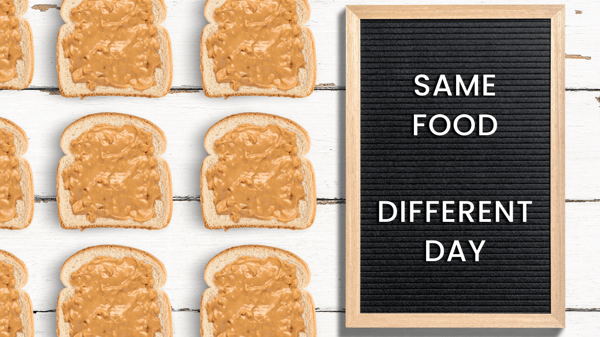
<point x="513" y="274"/>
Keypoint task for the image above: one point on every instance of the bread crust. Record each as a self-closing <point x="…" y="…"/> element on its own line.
<point x="25" y="67"/>
<point x="163" y="208"/>
<point x="219" y="261"/>
<point x="26" y="206"/>
<point x="308" y="206"/>
<point x="65" y="78"/>
<point x="86" y="255"/>
<point x="224" y="90"/>
<point x="21" y="276"/>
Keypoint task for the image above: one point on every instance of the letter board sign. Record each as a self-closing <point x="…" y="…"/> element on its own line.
<point x="455" y="166"/>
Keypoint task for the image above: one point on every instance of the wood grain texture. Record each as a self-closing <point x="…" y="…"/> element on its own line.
<point x="322" y="114"/>
<point x="186" y="114"/>
<point x="557" y="167"/>
<point x="354" y="316"/>
<point x="332" y="324"/>
<point x="321" y="246"/>
<point x="352" y="166"/>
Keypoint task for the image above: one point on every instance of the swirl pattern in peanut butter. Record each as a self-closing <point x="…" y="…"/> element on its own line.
<point x="113" y="297"/>
<point x="258" y="174"/>
<point x="10" y="177"/>
<point x="258" y="43"/>
<point x="10" y="307"/>
<point x="114" y="43"/>
<point x="114" y="174"/>
<point x="10" y="41"/>
<point x="257" y="297"/>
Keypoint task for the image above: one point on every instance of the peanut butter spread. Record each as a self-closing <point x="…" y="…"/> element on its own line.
<point x="10" y="307"/>
<point x="257" y="298"/>
<point x="10" y="39"/>
<point x="113" y="297"/>
<point x="258" y="43"/>
<point x="114" y="175"/>
<point x="10" y="177"/>
<point x="258" y="175"/>
<point x="115" y="43"/>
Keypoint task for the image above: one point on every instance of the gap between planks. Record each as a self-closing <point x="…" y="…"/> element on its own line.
<point x="320" y="201"/>
<point x="196" y="198"/>
<point x="326" y="311"/>
<point x="191" y="90"/>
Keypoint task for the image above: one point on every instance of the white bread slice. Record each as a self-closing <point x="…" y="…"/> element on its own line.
<point x="26" y="204"/>
<point x="24" y="66"/>
<point x="307" y="206"/>
<point x="86" y="255"/>
<point x="21" y="276"/>
<point x="163" y="207"/>
<point x="228" y="256"/>
<point x="163" y="76"/>
<point x="307" y="75"/>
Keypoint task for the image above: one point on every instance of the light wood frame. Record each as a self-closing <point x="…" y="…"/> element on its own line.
<point x="556" y="318"/>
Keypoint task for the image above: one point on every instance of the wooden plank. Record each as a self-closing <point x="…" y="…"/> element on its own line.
<point x="185" y="21"/>
<point x="47" y="116"/>
<point x="185" y="247"/>
<point x="356" y="318"/>
<point x="557" y="168"/>
<point x="187" y="324"/>
<point x="44" y="118"/>
<point x="352" y="166"/>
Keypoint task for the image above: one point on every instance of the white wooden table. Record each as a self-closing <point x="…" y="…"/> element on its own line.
<point x="185" y="246"/>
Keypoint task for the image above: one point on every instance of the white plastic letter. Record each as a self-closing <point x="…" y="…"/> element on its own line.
<point x="487" y="85"/>
<point x="494" y="125"/>
<point x="428" y="257"/>
<point x="446" y="89"/>
<point x="478" y="249"/>
<point x="448" y="125"/>
<point x="422" y="85"/>
<point x="459" y="117"/>
<point x="456" y="246"/>
<point x="394" y="211"/>
<point x="417" y="124"/>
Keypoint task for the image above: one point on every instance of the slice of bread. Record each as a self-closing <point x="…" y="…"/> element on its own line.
<point x="307" y="206"/>
<point x="230" y="255"/>
<point x="73" y="263"/>
<point x="25" y="205"/>
<point x="163" y="207"/>
<point x="163" y="76"/>
<point x="21" y="276"/>
<point x="24" y="66"/>
<point x="307" y="75"/>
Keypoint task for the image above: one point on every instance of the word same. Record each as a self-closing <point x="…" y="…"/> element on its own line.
<point x="442" y="85"/>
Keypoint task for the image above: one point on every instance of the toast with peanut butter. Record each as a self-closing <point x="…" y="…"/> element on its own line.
<point x="257" y="290"/>
<point x="113" y="291"/>
<point x="16" y="179"/>
<point x="16" y="46"/>
<point x="112" y="174"/>
<point x="114" y="48"/>
<point x="256" y="174"/>
<point x="16" y="313"/>
<point x="257" y="48"/>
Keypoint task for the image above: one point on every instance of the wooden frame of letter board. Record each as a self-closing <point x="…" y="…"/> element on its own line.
<point x="556" y="318"/>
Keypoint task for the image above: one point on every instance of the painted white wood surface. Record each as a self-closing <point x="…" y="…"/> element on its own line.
<point x="185" y="245"/>
<point x="185" y="20"/>
<point x="332" y="324"/>
<point x="185" y="118"/>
